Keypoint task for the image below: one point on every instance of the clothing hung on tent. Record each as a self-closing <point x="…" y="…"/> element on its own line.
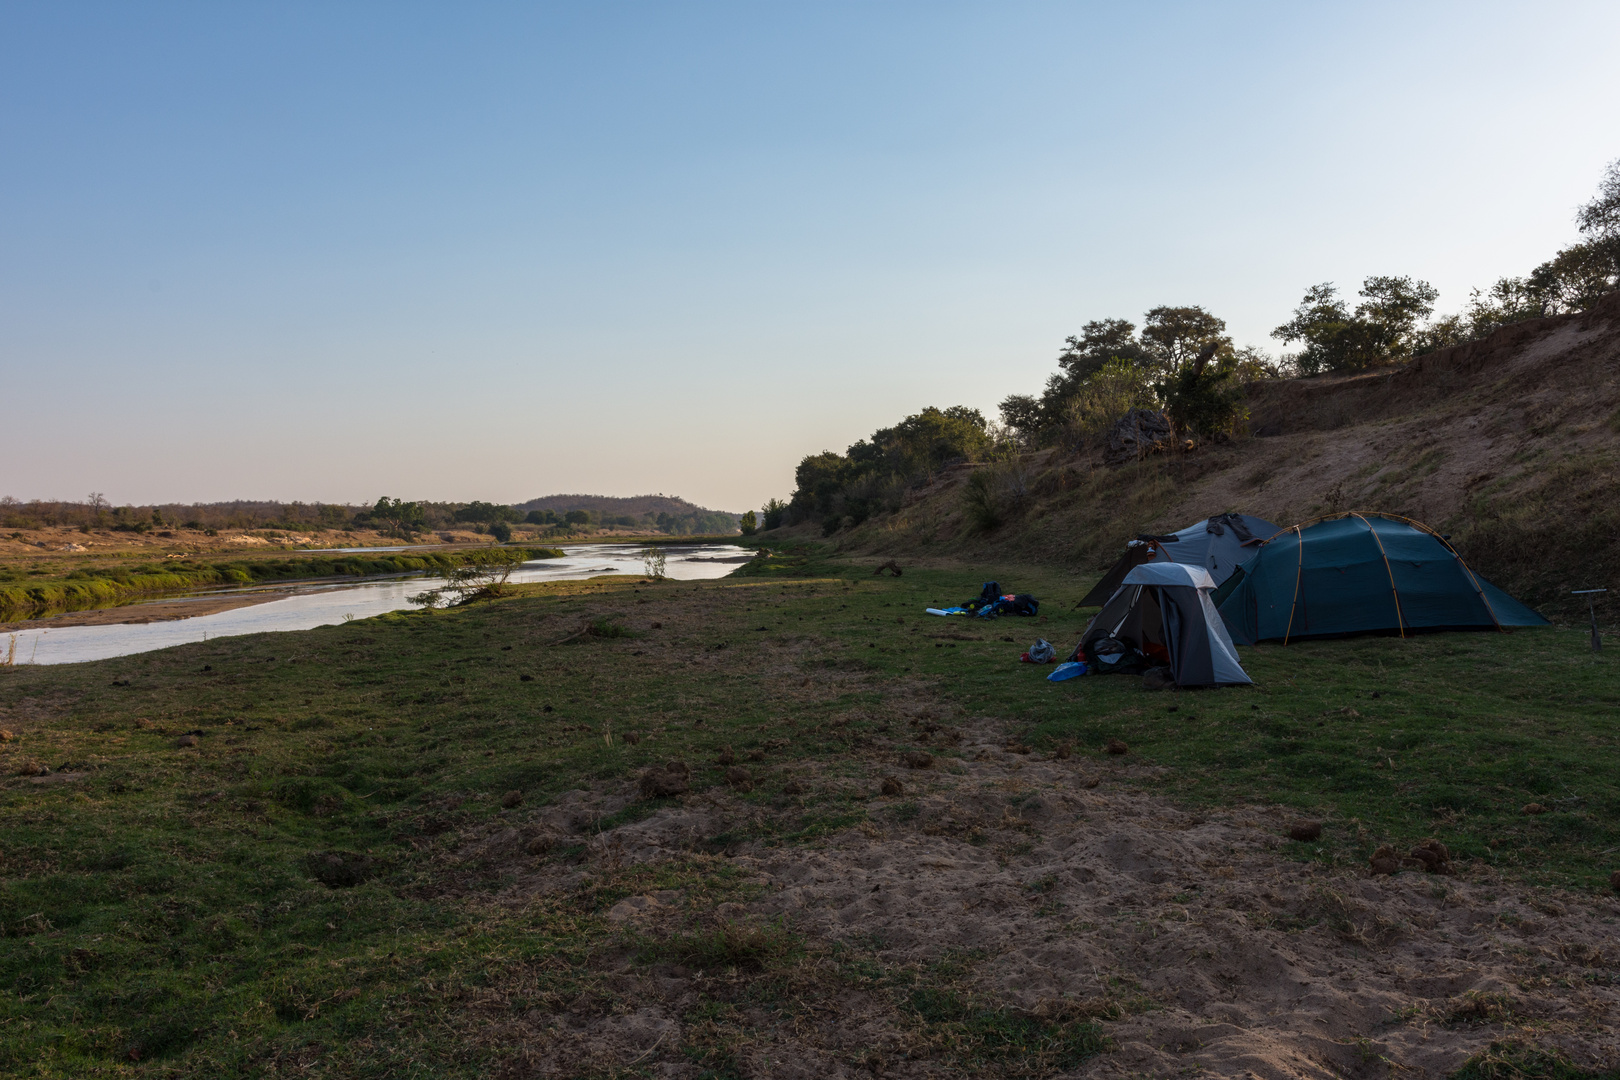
<point x="1219" y="544"/>
<point x="1361" y="573"/>
<point x="1164" y="611"/>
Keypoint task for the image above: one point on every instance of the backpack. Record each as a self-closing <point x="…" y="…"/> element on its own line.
<point x="1111" y="656"/>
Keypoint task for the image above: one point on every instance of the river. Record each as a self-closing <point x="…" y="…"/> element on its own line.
<point x="327" y="604"/>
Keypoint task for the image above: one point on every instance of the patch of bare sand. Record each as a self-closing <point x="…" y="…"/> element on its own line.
<point x="1061" y="888"/>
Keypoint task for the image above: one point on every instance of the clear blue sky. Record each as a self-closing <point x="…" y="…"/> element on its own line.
<point x="452" y="251"/>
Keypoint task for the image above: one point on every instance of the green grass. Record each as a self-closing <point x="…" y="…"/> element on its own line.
<point x="160" y="916"/>
<point x="1518" y="1060"/>
<point x="1446" y="735"/>
<point x="987" y="1034"/>
<point x="1465" y="729"/>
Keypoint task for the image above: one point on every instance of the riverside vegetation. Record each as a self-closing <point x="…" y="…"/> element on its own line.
<point x="346" y="851"/>
<point x="37" y="590"/>
<point x="554" y="515"/>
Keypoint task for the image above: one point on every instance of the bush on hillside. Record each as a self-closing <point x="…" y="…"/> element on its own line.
<point x="875" y="473"/>
<point x="1385" y="326"/>
<point x="995" y="494"/>
<point x="1110" y="370"/>
<point x="1204" y="398"/>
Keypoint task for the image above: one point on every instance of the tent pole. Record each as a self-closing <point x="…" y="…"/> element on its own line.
<point x="1298" y="573"/>
<point x="1400" y="621"/>
<point x="1460" y="562"/>
<point x="1591" y="607"/>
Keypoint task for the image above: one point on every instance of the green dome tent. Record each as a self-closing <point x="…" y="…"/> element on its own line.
<point x="1360" y="573"/>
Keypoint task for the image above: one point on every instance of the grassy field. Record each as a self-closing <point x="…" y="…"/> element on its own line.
<point x="317" y="882"/>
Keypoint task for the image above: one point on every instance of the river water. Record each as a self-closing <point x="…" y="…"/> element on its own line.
<point x="325" y="605"/>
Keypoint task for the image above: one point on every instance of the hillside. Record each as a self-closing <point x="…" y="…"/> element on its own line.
<point x="1511" y="444"/>
<point x="632" y="506"/>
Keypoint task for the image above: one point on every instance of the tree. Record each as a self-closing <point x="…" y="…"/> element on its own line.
<point x="479" y="575"/>
<point x="773" y="511"/>
<point x="1024" y="414"/>
<point x="1204" y="397"/>
<point x="1116" y="388"/>
<point x="578" y="517"/>
<point x="1100" y="341"/>
<point x="1322" y="322"/>
<point x="501" y="531"/>
<point x="1599" y="220"/>
<point x="1577" y="276"/>
<point x="874" y="472"/>
<point x="1174" y="336"/>
<point x="652" y="557"/>
<point x="1385" y="326"/>
<point x="1392" y="308"/>
<point x="749" y="523"/>
<point x="818" y="479"/>
<point x="485" y="513"/>
<point x="1253" y="365"/>
<point x="399" y="518"/>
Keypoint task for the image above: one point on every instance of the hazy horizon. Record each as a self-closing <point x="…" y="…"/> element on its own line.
<point x="451" y="253"/>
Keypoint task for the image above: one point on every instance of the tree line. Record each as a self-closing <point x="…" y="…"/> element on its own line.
<point x="1182" y="366"/>
<point x="394" y="517"/>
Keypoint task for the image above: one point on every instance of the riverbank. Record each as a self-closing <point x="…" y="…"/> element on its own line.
<point x="451" y="843"/>
<point x="301" y="604"/>
<point x="146" y="612"/>
<point x="114" y="582"/>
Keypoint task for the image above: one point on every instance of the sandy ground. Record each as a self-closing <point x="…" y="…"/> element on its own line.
<point x="64" y="543"/>
<point x="57" y="542"/>
<point x="1206" y="949"/>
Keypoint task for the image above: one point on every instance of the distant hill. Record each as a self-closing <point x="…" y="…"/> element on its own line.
<point x="667" y="513"/>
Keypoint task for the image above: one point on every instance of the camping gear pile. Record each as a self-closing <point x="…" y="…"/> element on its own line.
<point x="1042" y="652"/>
<point x="992" y="602"/>
<point x="1174" y="604"/>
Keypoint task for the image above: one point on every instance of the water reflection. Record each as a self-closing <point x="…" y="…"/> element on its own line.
<point x="329" y="604"/>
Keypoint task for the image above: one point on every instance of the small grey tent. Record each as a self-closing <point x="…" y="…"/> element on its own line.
<point x="1164" y="611"/>
<point x="1219" y="544"/>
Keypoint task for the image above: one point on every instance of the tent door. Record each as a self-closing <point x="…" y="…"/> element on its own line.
<point x="1170" y="613"/>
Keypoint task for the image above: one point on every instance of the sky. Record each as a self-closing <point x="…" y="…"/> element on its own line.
<point x="495" y="251"/>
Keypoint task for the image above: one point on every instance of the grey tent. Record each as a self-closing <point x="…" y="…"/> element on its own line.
<point x="1219" y="544"/>
<point x="1164" y="611"/>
